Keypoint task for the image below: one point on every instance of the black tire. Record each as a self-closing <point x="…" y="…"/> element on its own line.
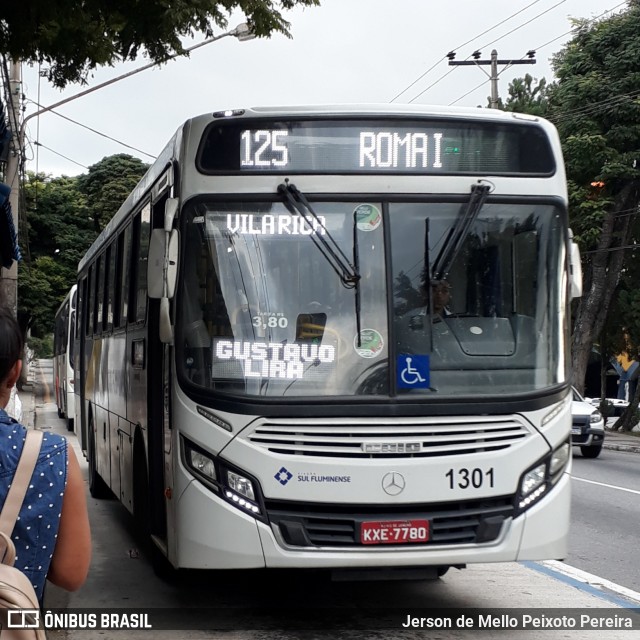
<point x="442" y="570"/>
<point x="592" y="451"/>
<point x="142" y="520"/>
<point x="70" y="424"/>
<point x="97" y="486"/>
<point x="60" y="413"/>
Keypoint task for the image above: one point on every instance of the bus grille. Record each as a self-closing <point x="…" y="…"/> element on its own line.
<point x="308" y="525"/>
<point x="397" y="438"/>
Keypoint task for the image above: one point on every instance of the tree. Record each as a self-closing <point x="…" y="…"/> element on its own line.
<point x="65" y="215"/>
<point x="627" y="309"/>
<point x="107" y="185"/>
<point x="57" y="235"/>
<point x="72" y="38"/>
<point x="527" y="95"/>
<point x="594" y="105"/>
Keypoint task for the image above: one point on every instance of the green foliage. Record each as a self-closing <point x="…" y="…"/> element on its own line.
<point x="107" y="184"/>
<point x="71" y="38"/>
<point x="42" y="347"/>
<point x="64" y="217"/>
<point x="528" y="95"/>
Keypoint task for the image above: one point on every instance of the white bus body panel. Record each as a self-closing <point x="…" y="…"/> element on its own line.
<point x="211" y="533"/>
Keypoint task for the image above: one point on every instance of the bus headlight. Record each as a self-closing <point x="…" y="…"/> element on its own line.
<point x="232" y="484"/>
<point x="533" y="479"/>
<point x="240" y="485"/>
<point x="539" y="479"/>
<point x="239" y="491"/>
<point x="200" y="462"/>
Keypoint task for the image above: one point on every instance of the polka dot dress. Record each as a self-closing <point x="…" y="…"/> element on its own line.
<point x="36" y="529"/>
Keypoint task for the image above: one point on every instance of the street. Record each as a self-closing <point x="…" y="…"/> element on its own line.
<point x="605" y="517"/>
<point x="256" y="604"/>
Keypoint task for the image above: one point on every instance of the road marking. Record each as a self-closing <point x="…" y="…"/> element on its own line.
<point x="609" y="486"/>
<point x="587" y="582"/>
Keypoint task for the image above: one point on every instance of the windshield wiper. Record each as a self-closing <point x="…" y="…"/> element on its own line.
<point x="296" y="201"/>
<point x="460" y="230"/>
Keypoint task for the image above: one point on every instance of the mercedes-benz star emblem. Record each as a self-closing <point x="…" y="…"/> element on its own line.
<point x="393" y="483"/>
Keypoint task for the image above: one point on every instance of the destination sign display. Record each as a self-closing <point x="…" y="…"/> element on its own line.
<point x="376" y="146"/>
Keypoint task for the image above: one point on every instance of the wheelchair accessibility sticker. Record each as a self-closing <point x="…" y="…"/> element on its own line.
<point x="412" y="371"/>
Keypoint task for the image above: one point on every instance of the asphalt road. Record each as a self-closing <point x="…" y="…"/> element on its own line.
<point x="605" y="517"/>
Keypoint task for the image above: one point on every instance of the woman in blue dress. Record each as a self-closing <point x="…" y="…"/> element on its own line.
<point x="51" y="535"/>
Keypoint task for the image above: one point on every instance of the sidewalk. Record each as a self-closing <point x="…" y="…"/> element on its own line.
<point x="622" y="441"/>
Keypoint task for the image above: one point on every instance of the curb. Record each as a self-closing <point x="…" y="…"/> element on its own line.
<point x="622" y="447"/>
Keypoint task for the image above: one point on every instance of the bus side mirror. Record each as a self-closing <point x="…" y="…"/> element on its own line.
<point x="162" y="265"/>
<point x="170" y="209"/>
<point x="575" y="269"/>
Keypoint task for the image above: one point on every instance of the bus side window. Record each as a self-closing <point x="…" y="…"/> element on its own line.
<point x="80" y="311"/>
<point x="126" y="273"/>
<point x="91" y="296"/>
<point x="109" y="269"/>
<point x="99" y="299"/>
<point x="142" y="231"/>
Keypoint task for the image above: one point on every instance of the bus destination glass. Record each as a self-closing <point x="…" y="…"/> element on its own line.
<point x="376" y="146"/>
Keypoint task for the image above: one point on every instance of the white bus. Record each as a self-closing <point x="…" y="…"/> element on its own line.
<point x="267" y="379"/>
<point x="63" y="358"/>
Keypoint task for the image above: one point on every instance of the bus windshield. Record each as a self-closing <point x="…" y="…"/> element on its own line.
<point x="262" y="312"/>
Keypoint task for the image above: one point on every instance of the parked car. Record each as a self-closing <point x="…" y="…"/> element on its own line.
<point x="587" y="428"/>
<point x="616" y="406"/>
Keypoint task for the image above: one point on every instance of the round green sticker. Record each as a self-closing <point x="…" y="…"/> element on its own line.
<point x="367" y="217"/>
<point x="371" y="343"/>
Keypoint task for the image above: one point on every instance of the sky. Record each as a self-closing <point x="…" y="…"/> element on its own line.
<point x="344" y="51"/>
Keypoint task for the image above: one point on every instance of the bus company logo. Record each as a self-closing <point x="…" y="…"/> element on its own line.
<point x="23" y="618"/>
<point x="393" y="483"/>
<point x="283" y="476"/>
<point x="391" y="447"/>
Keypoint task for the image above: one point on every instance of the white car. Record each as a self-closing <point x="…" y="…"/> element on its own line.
<point x="587" y="427"/>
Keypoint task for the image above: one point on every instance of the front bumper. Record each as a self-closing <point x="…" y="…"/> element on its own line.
<point x="215" y="535"/>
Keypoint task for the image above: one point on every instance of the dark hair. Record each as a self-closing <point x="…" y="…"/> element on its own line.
<point x="11" y="342"/>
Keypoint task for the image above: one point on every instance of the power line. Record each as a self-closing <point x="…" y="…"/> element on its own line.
<point x="39" y="144"/>
<point x="464" y="44"/>
<point x="512" y="31"/>
<point x="546" y="44"/>
<point x="524" y="24"/>
<point x="593" y="107"/>
<point x="100" y="133"/>
<point x="468" y="93"/>
<point x="493" y="42"/>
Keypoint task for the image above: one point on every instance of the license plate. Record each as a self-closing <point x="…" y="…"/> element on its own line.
<point x="394" y="531"/>
<point x="576" y="431"/>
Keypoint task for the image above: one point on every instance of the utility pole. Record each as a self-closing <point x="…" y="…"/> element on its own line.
<point x="493" y="62"/>
<point x="9" y="280"/>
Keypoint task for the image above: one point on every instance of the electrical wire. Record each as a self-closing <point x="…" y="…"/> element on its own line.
<point x="100" y="133"/>
<point x="542" y="46"/>
<point x="524" y="24"/>
<point x="464" y="44"/>
<point x="39" y="144"/>
<point x="539" y="15"/>
<point x="512" y="31"/>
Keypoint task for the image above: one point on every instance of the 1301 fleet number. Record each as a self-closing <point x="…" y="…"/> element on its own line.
<point x="464" y="478"/>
